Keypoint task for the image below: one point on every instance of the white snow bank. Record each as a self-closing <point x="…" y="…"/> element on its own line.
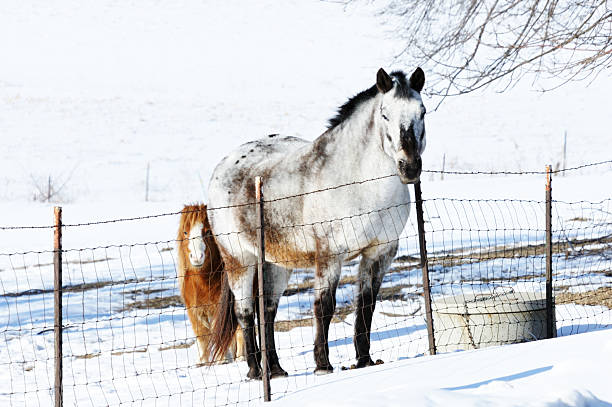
<point x="568" y="371"/>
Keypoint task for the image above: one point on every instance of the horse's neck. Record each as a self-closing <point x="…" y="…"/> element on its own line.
<point x="353" y="148"/>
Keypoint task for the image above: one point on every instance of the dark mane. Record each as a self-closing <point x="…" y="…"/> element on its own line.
<point x="402" y="89"/>
<point x="347" y="109"/>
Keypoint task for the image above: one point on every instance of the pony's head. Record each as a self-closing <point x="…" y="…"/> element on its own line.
<point x="196" y="246"/>
<point x="402" y="117"/>
<point x="194" y="232"/>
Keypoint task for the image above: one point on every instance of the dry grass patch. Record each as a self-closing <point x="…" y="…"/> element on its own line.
<point x="153" y="303"/>
<point x="123" y="352"/>
<point x="180" y="345"/>
<point x="286" y="326"/>
<point x="600" y="296"/>
<point x="88" y="356"/>
<point x="394" y="292"/>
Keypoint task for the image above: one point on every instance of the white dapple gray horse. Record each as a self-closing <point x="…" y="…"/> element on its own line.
<point x="377" y="133"/>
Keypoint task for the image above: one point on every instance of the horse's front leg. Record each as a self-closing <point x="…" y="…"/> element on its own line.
<point x="371" y="272"/>
<point x="325" y="284"/>
<point x="276" y="282"/>
<point x="242" y="287"/>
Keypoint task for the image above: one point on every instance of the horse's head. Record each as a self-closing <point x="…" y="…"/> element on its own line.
<point x="402" y="115"/>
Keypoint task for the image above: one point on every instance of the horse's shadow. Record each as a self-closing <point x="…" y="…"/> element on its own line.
<point x="508" y="378"/>
<point x="375" y="336"/>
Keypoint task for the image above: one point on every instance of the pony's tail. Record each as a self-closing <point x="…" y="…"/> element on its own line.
<point x="225" y="322"/>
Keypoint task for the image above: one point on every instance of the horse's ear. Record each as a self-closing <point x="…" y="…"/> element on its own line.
<point x="417" y="80"/>
<point x="384" y="83"/>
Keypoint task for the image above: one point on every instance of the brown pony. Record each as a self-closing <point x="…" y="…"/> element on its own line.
<point x="200" y="278"/>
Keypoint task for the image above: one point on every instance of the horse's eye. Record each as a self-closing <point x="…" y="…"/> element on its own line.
<point x="185" y="233"/>
<point x="385" y="117"/>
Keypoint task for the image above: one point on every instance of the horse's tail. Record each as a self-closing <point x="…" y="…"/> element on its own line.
<point x="225" y="322"/>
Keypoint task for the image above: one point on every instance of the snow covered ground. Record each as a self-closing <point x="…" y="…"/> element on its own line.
<point x="569" y="371"/>
<point x="93" y="92"/>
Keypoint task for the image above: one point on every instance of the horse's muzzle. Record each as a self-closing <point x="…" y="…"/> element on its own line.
<point x="409" y="172"/>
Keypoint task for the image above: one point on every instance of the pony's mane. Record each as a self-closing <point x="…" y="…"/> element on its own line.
<point x="402" y="90"/>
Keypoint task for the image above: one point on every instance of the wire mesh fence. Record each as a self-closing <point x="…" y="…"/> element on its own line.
<point x="129" y="337"/>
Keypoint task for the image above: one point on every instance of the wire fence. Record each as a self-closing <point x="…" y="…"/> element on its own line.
<point x="128" y="335"/>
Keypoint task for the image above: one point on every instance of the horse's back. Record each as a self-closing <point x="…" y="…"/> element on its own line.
<point x="232" y="182"/>
<point x="250" y="158"/>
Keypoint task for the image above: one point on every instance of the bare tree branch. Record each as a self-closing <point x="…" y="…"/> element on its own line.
<point x="470" y="44"/>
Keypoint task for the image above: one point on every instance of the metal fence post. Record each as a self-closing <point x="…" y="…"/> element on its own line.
<point x="57" y="295"/>
<point x="425" y="267"/>
<point x="549" y="276"/>
<point x="259" y="210"/>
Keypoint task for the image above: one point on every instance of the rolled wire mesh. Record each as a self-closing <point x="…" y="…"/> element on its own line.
<point x="128" y="339"/>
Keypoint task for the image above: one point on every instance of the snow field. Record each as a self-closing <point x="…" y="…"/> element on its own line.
<point x="93" y="92"/>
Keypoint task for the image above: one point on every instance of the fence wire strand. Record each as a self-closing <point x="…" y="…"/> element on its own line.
<point x="334" y="187"/>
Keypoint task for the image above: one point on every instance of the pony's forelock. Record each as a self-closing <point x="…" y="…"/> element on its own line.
<point x="190" y="215"/>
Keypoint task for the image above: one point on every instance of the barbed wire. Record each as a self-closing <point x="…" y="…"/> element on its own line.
<point x="334" y="187"/>
<point x="479" y="172"/>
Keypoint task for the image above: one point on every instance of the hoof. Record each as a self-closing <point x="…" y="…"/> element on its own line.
<point x="366" y="362"/>
<point x="320" y="371"/>
<point x="277" y="371"/>
<point x="254" y="373"/>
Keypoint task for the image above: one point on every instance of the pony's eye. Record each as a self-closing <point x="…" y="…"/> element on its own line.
<point x="385" y="117"/>
<point x="185" y="233"/>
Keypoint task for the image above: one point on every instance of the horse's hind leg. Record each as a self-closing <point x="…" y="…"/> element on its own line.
<point x="276" y="282"/>
<point x="326" y="282"/>
<point x="371" y="273"/>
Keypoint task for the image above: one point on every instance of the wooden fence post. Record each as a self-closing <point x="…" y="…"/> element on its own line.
<point x="57" y="295"/>
<point x="549" y="283"/>
<point x="261" y="253"/>
<point x="425" y="267"/>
